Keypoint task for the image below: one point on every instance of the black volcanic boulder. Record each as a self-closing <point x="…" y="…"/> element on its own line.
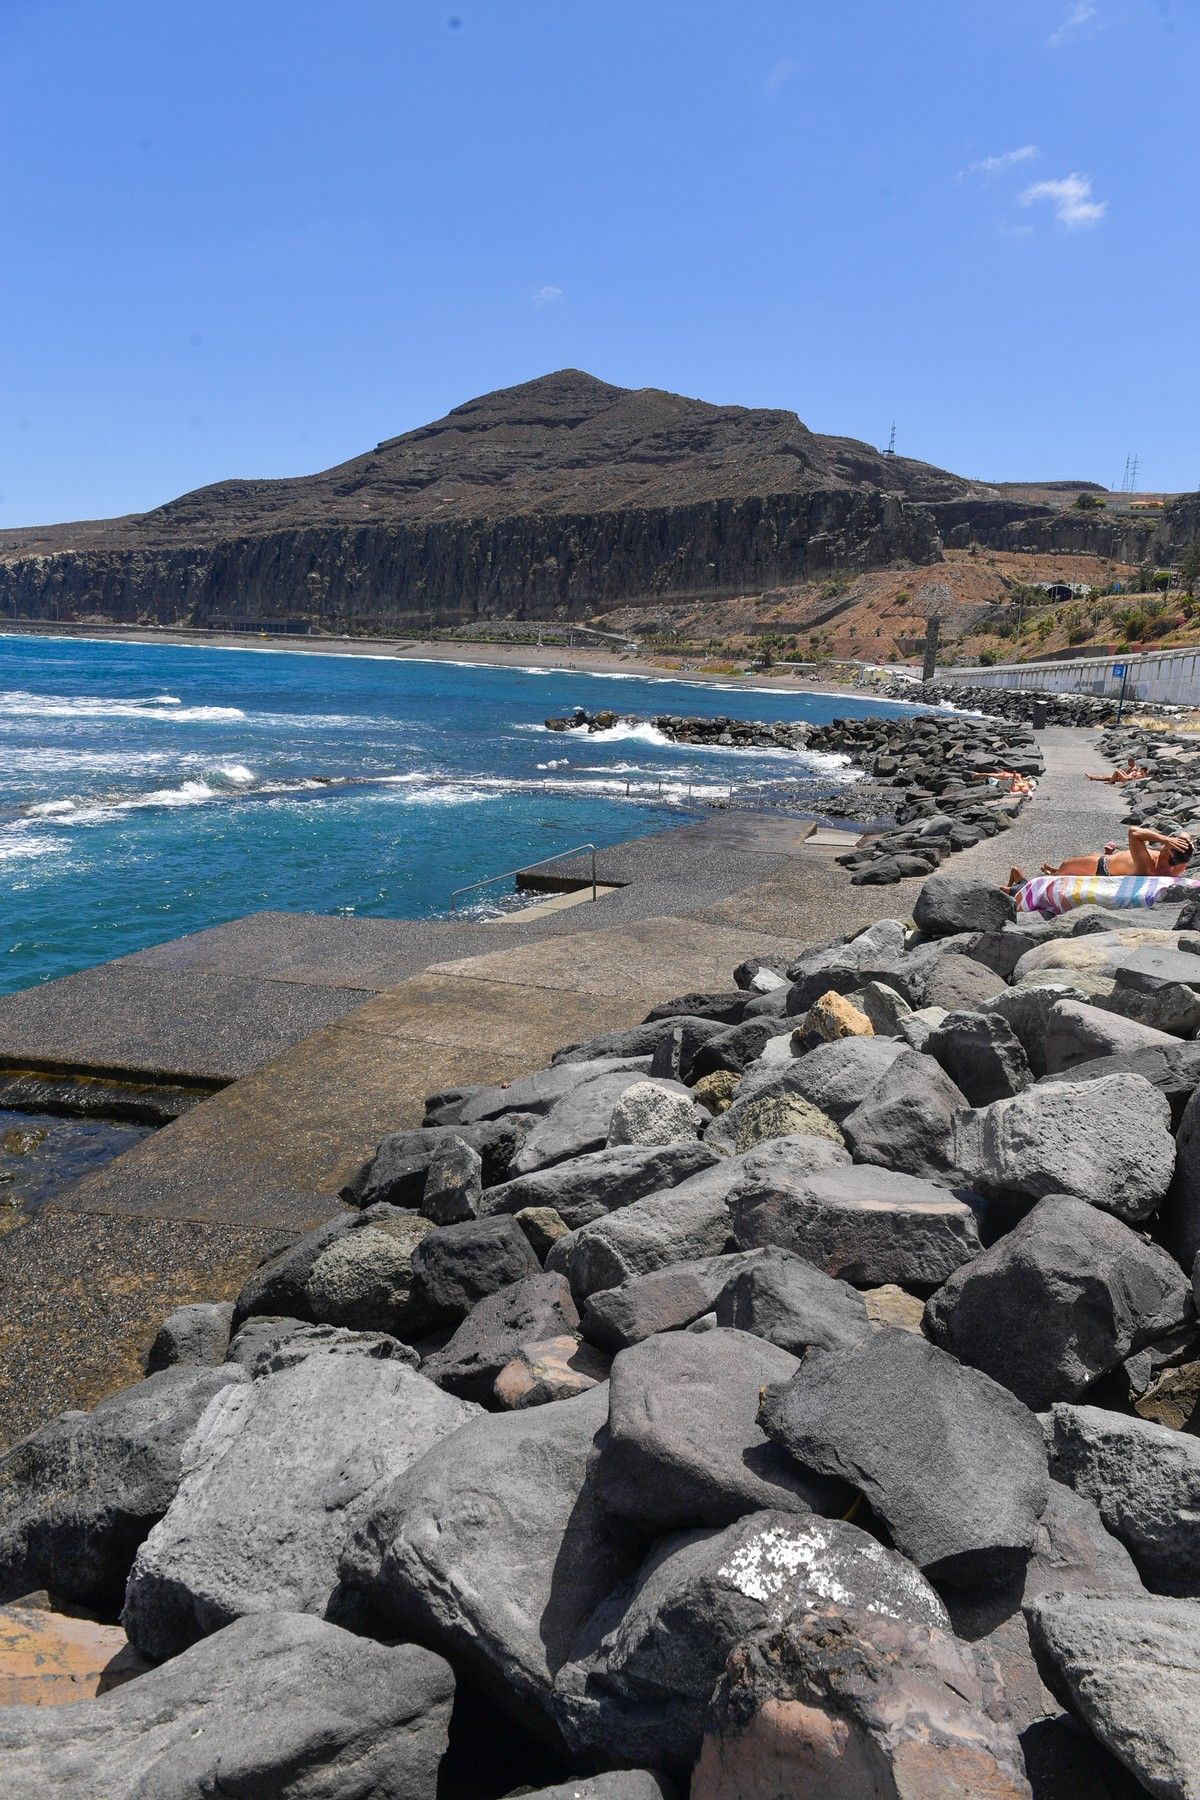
<point x="1145" y="1480"/>
<point x="949" y="1460"/>
<point x="1060" y="1300"/>
<point x="79" y="1495"/>
<point x="643" y="1669"/>
<point x="684" y="1446"/>
<point x="456" y="1266"/>
<point x="907" y="1121"/>
<point x="357" y="1272"/>
<point x="587" y="1187"/>
<point x="790" y="1302"/>
<point x="950" y="903"/>
<point x="865" y="1224"/>
<point x="493" y="1332"/>
<point x="981" y="1054"/>
<point x="491" y="1547"/>
<point x="665" y="1300"/>
<point x="279" y="1705"/>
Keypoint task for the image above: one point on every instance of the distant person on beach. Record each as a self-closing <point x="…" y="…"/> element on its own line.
<point x="1132" y="771"/>
<point x="1007" y="779"/>
<point x="1171" y="857"/>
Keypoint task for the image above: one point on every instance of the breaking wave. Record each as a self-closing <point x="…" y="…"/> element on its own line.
<point x="19" y="705"/>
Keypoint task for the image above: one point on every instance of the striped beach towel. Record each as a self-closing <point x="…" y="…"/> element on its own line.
<point x="1052" y="894"/>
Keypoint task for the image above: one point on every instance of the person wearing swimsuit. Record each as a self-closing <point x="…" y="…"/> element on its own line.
<point x="1150" y="852"/>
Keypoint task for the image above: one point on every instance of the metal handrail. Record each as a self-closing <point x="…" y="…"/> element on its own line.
<point x="509" y="873"/>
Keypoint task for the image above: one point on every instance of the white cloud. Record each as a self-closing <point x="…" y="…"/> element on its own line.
<point x="544" y="296"/>
<point x="780" y="71"/>
<point x="1071" y="199"/>
<point x="1081" y="14"/>
<point x="1004" y="160"/>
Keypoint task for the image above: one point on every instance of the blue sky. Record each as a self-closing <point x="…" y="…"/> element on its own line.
<point x="253" y="237"/>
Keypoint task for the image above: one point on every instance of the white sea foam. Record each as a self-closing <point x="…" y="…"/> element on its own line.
<point x="20" y="705"/>
<point x="191" y="793"/>
<point x="235" y="772"/>
<point x="49" y="809"/>
<point x="17" y="845"/>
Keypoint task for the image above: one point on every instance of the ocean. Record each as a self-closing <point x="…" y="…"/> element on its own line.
<point x="152" y="790"/>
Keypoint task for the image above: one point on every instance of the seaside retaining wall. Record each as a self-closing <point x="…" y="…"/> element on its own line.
<point x="1169" y="676"/>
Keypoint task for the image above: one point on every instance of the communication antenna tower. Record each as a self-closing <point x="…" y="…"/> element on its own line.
<point x="891" y="449"/>
<point x="1129" y="483"/>
<point x="1133" y="476"/>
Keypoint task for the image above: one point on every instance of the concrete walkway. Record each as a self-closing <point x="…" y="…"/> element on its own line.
<point x="382" y="1013"/>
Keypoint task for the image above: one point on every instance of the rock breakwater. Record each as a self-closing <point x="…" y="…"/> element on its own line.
<point x="807" y="1378"/>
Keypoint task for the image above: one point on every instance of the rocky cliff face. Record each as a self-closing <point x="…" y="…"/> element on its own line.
<point x="562" y="495"/>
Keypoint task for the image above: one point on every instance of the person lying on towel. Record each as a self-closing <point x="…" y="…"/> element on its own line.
<point x="1130" y="771"/>
<point x="1171" y="857"/>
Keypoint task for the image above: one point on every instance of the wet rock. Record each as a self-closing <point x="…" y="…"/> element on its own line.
<point x="280" y="1704"/>
<point x="1060" y="1300"/>
<point x="648" y="1114"/>
<point x="982" y="1055"/>
<point x="490" y="1547"/>
<point x="644" y="1668"/>
<point x="865" y="1224"/>
<point x="528" y="1312"/>
<point x="192" y="1334"/>
<point x="907" y="1122"/>
<point x="556" y="1369"/>
<point x="589" y="1186"/>
<point x="78" y="1496"/>
<point x="272" y="1483"/>
<point x="684" y="1447"/>
<point x="857" y="1705"/>
<point x="1129" y="1664"/>
<point x="950" y="903"/>
<point x="458" y="1265"/>
<point x="781" y="1297"/>
<point x="666" y="1300"/>
<point x="1145" y="1481"/>
<point x="883" y="1413"/>
<point x="1108" y="1142"/>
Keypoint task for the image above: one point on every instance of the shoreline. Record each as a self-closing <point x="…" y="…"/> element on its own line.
<point x="537" y="658"/>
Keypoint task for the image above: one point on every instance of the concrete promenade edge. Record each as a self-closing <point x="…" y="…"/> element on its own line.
<point x="188" y="1212"/>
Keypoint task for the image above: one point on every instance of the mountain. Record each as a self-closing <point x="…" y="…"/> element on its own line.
<point x="562" y="495"/>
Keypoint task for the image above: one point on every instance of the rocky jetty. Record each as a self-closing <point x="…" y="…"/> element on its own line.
<point x="1027" y="704"/>
<point x="797" y="1392"/>
<point x="1168" y="796"/>
<point x="721" y="732"/>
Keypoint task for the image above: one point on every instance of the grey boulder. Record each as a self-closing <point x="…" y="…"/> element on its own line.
<point x="1173" y="1068"/>
<point x="949" y="1460"/>
<point x="192" y="1334"/>
<point x="959" y="983"/>
<point x="357" y="1272"/>
<point x="1028" y="1010"/>
<point x="1145" y="1481"/>
<point x="837" y="1077"/>
<point x="272" y="1482"/>
<point x="278" y="1705"/>
<point x="665" y="1300"/>
<point x="678" y="1224"/>
<point x="1129" y="1665"/>
<point x="456" y="1266"/>
<point x="579" y="1121"/>
<point x="866" y="1225"/>
<point x="491" y="1548"/>
<point x="982" y="1055"/>
<point x="950" y="903"/>
<point x="642" y="1672"/>
<point x="1079" y="1033"/>
<point x="267" y="1346"/>
<point x="684" y="1446"/>
<point x="589" y="1186"/>
<point x="787" y="1300"/>
<point x="539" y="1092"/>
<point x="453" y="1183"/>
<point x="1108" y="1142"/>
<point x="528" y="1312"/>
<point x="78" y="1496"/>
<point x="907" y="1123"/>
<point x="651" y="1112"/>
<point x="1180" y="1220"/>
<point x="1060" y="1300"/>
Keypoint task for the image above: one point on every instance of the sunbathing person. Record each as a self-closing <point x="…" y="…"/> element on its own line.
<point x="1132" y="771"/>
<point x="1150" y="852"/>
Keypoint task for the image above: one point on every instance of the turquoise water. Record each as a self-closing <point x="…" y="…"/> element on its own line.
<point x="147" y="791"/>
